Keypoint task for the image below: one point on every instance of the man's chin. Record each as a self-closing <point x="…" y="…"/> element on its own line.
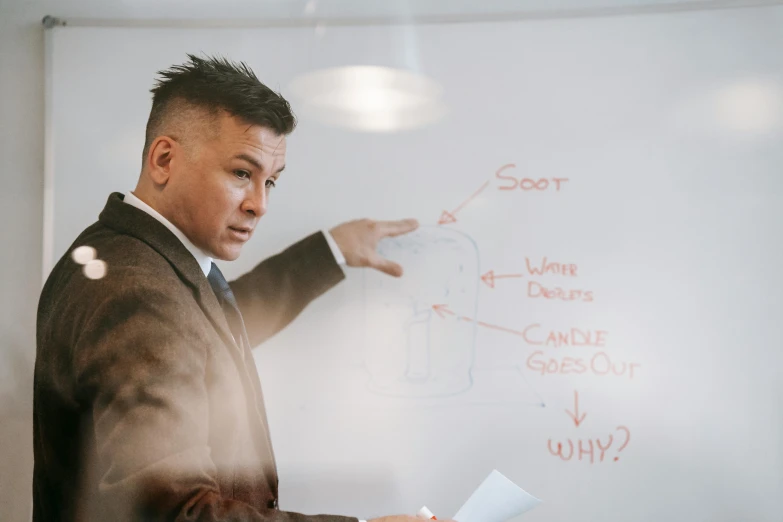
<point x="230" y="253"/>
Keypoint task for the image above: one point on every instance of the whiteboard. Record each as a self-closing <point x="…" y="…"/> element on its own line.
<point x="661" y="246"/>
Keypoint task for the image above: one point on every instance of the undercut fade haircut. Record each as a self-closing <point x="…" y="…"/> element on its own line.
<point x="215" y="84"/>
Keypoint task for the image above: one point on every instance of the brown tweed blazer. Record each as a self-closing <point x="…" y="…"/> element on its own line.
<point x="144" y="406"/>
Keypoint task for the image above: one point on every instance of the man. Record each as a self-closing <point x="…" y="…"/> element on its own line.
<point x="147" y="400"/>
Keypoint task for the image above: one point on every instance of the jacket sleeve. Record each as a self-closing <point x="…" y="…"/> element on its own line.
<point x="143" y="370"/>
<point x="277" y="290"/>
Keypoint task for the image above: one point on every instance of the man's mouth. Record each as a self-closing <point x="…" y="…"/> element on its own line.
<point x="241" y="233"/>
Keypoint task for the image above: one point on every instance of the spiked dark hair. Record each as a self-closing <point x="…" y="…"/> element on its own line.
<point x="216" y="84"/>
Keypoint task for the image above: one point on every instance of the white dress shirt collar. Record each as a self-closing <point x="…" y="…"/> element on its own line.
<point x="204" y="261"/>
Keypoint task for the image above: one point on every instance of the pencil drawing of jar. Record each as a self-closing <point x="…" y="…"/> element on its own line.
<point x="411" y="348"/>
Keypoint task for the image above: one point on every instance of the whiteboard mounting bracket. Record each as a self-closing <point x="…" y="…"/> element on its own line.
<point x="50" y="21"/>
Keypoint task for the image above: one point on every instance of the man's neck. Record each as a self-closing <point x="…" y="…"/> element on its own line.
<point x="204" y="260"/>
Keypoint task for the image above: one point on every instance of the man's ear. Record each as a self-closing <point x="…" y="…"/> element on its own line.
<point x="159" y="159"/>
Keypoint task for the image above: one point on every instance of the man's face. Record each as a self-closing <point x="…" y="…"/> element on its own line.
<point x="221" y="182"/>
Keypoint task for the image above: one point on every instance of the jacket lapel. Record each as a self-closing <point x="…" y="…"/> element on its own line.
<point x="129" y="220"/>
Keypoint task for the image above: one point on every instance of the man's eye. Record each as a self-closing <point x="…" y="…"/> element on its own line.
<point x="271" y="183"/>
<point x="242" y="174"/>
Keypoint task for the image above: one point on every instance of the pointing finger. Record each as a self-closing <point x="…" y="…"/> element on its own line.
<point x="396" y="228"/>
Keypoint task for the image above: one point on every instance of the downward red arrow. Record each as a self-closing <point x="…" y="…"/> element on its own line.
<point x="575" y="416"/>
<point x="447" y="217"/>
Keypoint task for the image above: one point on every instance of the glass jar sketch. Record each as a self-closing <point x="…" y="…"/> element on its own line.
<point x="412" y="350"/>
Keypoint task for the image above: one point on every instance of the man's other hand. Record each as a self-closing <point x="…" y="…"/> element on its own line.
<point x="358" y="241"/>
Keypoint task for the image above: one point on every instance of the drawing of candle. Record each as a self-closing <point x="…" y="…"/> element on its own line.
<point x="409" y="350"/>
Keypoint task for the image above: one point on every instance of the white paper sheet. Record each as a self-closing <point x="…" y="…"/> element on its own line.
<point x="497" y="499"/>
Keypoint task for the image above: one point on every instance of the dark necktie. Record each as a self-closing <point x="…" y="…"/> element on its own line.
<point x="229" y="305"/>
<point x="230" y="308"/>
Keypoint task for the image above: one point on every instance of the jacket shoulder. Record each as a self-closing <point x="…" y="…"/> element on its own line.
<point x="131" y="266"/>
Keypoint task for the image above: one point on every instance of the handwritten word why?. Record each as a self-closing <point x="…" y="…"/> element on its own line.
<point x="585" y="449"/>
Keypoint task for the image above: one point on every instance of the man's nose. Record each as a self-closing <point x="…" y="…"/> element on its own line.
<point x="255" y="203"/>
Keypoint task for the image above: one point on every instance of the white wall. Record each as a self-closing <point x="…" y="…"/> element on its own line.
<point x="21" y="150"/>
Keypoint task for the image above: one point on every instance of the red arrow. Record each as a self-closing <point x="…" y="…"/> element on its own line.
<point x="575" y="416"/>
<point x="447" y="217"/>
<point x="489" y="277"/>
<point x="440" y="309"/>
